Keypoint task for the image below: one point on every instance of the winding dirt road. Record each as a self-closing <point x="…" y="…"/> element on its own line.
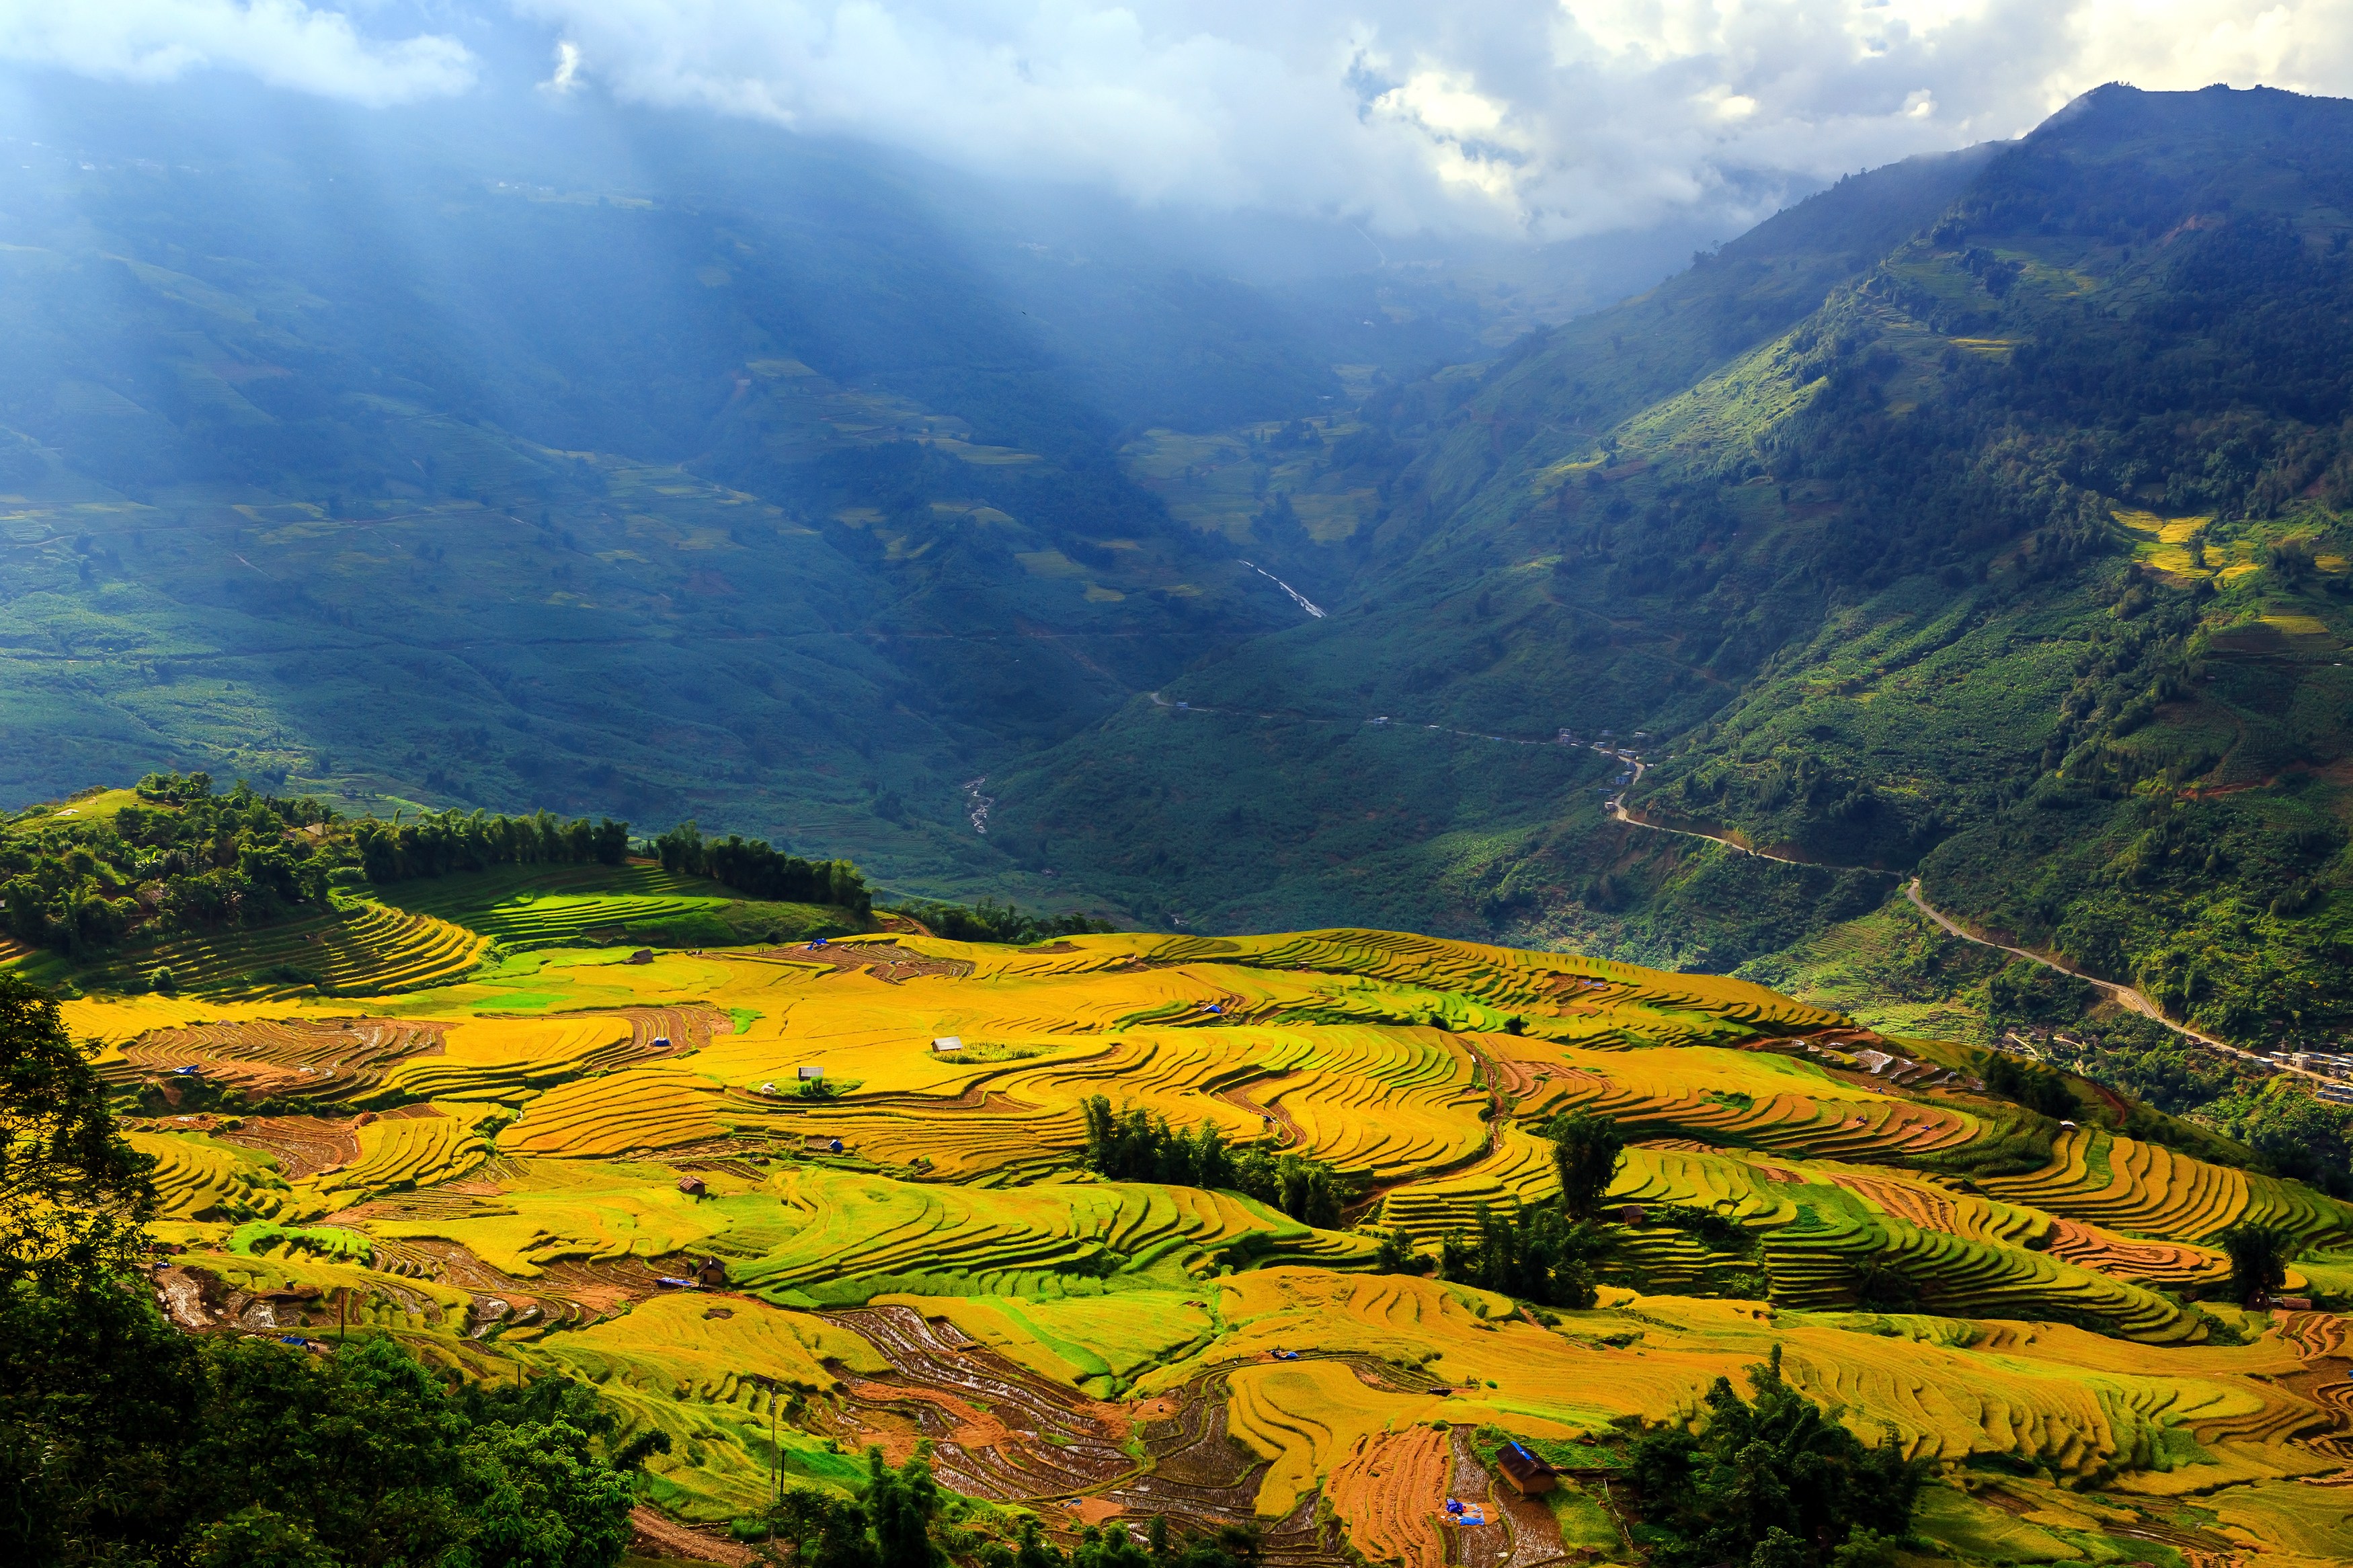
<point x="2123" y="996"/>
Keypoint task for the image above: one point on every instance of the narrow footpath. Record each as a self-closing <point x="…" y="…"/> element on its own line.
<point x="1618" y="810"/>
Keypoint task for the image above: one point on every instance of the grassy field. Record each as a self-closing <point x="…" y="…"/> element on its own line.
<point x="502" y="1171"/>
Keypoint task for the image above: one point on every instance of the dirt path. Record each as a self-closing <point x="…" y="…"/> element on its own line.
<point x="1617" y="811"/>
<point x="2125" y="996"/>
<point x="674" y="1540"/>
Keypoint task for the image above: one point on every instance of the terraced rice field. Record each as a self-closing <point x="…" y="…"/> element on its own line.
<point x="369" y="950"/>
<point x="1392" y="1487"/>
<point x="505" y="1171"/>
<point x="299" y="1057"/>
<point x="509" y="1060"/>
<point x="200" y="1179"/>
<point x="404" y="1151"/>
<point x="2145" y="1189"/>
<point x="526" y="907"/>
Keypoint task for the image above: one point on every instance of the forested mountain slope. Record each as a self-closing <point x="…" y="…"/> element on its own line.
<point x="2017" y="559"/>
<point x="491" y="456"/>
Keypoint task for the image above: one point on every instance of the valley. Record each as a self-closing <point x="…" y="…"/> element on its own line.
<point x="720" y="846"/>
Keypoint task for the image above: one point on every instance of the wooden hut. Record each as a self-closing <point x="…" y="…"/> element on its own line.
<point x="1527" y="1474"/>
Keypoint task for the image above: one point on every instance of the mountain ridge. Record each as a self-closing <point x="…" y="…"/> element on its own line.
<point x="1908" y="494"/>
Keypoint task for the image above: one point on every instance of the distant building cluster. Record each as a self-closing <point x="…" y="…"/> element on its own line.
<point x="2328" y="1064"/>
<point x="2042" y="1043"/>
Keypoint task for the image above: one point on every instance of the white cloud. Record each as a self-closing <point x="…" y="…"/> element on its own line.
<point x="282" y="42"/>
<point x="566" y="75"/>
<point x="1553" y="116"/>
<point x="1550" y="117"/>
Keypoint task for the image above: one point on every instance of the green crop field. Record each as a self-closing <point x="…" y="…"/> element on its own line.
<point x="624" y="1183"/>
<point x="362" y="949"/>
<point x="524" y="906"/>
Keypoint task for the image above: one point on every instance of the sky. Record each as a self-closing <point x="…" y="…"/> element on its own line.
<point x="1548" y="119"/>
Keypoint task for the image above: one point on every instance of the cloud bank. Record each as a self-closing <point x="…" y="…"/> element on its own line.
<point x="282" y="42"/>
<point x="1550" y="118"/>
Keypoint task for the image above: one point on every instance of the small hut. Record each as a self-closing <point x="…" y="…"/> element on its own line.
<point x="1527" y="1474"/>
<point x="947" y="1045"/>
<point x="690" y="1185"/>
<point x="711" y="1274"/>
<point x="809" y="1075"/>
<point x="1633" y="1214"/>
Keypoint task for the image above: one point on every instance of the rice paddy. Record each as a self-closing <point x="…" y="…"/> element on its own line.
<point x="525" y="907"/>
<point x="741" y="1191"/>
<point x="366" y="951"/>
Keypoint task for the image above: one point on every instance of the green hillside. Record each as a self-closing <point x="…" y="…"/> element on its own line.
<point x="487" y="460"/>
<point x="173" y="888"/>
<point x="1983" y="518"/>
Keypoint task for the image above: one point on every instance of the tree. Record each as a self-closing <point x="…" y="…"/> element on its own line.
<point x="889" y="1527"/>
<point x="824" y="1531"/>
<point x="257" y="1537"/>
<point x="1773" y="1482"/>
<point x="539" y="1498"/>
<point x="1137" y="1146"/>
<point x="1537" y="1254"/>
<point x="2033" y="1087"/>
<point x="1111" y="1546"/>
<point x="123" y="1441"/>
<point x="2259" y="1255"/>
<point x="1587" y="1152"/>
<point x="98" y="1399"/>
<point x="73" y="1194"/>
<point x="899" y="1509"/>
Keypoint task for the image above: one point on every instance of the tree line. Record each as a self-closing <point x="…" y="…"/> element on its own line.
<point x="439" y="843"/>
<point x="1137" y="1146"/>
<point x="751" y="867"/>
<point x="186" y="858"/>
<point x="181" y="858"/>
<point x="988" y="920"/>
<point x="903" y="1519"/>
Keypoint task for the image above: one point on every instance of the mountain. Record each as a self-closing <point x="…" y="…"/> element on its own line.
<point x="1982" y="519"/>
<point x="1979" y="518"/>
<point x="510" y="455"/>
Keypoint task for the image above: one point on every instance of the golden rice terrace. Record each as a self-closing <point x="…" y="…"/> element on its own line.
<point x="571" y="1162"/>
